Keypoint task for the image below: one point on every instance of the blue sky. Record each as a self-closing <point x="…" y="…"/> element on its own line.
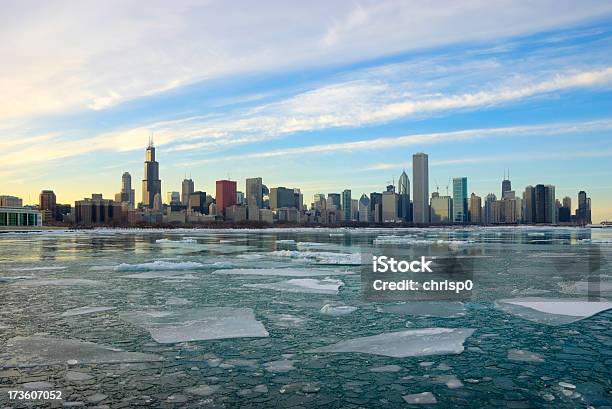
<point x="312" y="96"/>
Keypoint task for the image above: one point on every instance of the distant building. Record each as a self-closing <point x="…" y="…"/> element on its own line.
<point x="236" y="213"/>
<point x="10" y="201"/>
<point x="47" y="204"/>
<point x="240" y="198"/>
<point x="266" y="216"/>
<point x="282" y="197"/>
<point x="158" y="204"/>
<point x="460" y="200"/>
<point x="488" y="208"/>
<point x="529" y="205"/>
<point x="254" y="192"/>
<point x="475" y="209"/>
<point x="390" y="207"/>
<point x="19" y="216"/>
<point x="151" y="184"/>
<point x="333" y="199"/>
<point x="198" y="202"/>
<point x="506" y="186"/>
<point x="126" y="195"/>
<point x="583" y="213"/>
<point x="376" y="206"/>
<point x="346" y="205"/>
<point x="567" y="202"/>
<point x="354" y="209"/>
<point x="174" y="199"/>
<point x="441" y="209"/>
<point x="364" y="208"/>
<point x="420" y="188"/>
<point x="96" y="210"/>
<point x="187" y="188"/>
<point x="319" y="202"/>
<point x="226" y="195"/>
<point x="403" y="189"/>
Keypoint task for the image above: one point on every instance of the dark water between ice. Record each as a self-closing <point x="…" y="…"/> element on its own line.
<point x="106" y="317"/>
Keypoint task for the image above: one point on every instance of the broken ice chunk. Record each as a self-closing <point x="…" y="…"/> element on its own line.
<point x="552" y="311"/>
<point x="44" y="351"/>
<point x="420" y="398"/>
<point x="522" y="355"/>
<point x="337" y="310"/>
<point x="283" y="272"/>
<point x="303" y="285"/>
<point x="284" y="365"/>
<point x="439" y="309"/>
<point x="416" y="342"/>
<point x="159" y="265"/>
<point x="198" y="324"/>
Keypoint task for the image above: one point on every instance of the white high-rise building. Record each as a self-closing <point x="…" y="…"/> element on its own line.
<point x="420" y="188"/>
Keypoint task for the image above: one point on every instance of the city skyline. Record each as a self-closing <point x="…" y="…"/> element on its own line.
<point x="479" y="99"/>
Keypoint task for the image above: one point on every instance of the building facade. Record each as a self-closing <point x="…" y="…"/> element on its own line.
<point x="420" y="189"/>
<point x="226" y="195"/>
<point x="151" y="184"/>
<point x="460" y="200"/>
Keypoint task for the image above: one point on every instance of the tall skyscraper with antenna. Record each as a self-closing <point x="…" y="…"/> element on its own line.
<point x="151" y="184"/>
<point x="506" y="184"/>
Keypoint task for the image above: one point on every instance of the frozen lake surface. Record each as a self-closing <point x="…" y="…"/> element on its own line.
<point x="275" y="318"/>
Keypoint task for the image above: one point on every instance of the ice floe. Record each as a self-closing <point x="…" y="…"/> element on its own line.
<point x="177" y="301"/>
<point x="303" y="285"/>
<point x="386" y="368"/>
<point x="337" y="310"/>
<point x="412" y="241"/>
<point x="552" y="311"/>
<point x="203" y="390"/>
<point x="286" y="320"/>
<point x="451" y="381"/>
<point x="420" y="398"/>
<point x="85" y="310"/>
<point x="185" y="240"/>
<point x="282" y="272"/>
<point x="416" y="342"/>
<point x="38" y="268"/>
<point x="438" y="309"/>
<point x="159" y="265"/>
<point x="59" y="282"/>
<point x="198" y="324"/>
<point x="167" y="275"/>
<point x="284" y="365"/>
<point x="599" y="287"/>
<point x="522" y="355"/>
<point x="320" y="257"/>
<point x="46" y="350"/>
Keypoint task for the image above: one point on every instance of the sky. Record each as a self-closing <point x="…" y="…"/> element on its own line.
<point x="321" y="96"/>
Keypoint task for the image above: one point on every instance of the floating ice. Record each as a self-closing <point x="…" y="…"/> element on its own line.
<point x="40" y="268"/>
<point x="177" y="301"/>
<point x="320" y="257"/>
<point x="282" y="272"/>
<point x="203" y="390"/>
<point x="420" y="398"/>
<point x="522" y="355"/>
<point x="198" y="324"/>
<point x="284" y="365"/>
<point x="386" y="368"/>
<point x="46" y="350"/>
<point x="169" y="275"/>
<point x="411" y="240"/>
<point x="60" y="282"/>
<point x="159" y="265"/>
<point x="303" y="285"/>
<point x="77" y="376"/>
<point x="451" y="381"/>
<point x="85" y="310"/>
<point x="35" y="386"/>
<point x="286" y="320"/>
<point x="439" y="309"/>
<point x="552" y="311"/>
<point x="416" y="342"/>
<point x="185" y="240"/>
<point x="584" y="287"/>
<point x="337" y="310"/>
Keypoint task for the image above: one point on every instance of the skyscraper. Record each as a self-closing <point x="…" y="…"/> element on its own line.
<point x="475" y="209"/>
<point x="488" y="208"/>
<point x="420" y="189"/>
<point x="529" y="203"/>
<point x="254" y="192"/>
<point x="282" y="197"/>
<point x="583" y="213"/>
<point x="226" y="195"/>
<point x="376" y="207"/>
<point x="441" y="209"/>
<point x="404" y="197"/>
<point x="364" y="208"/>
<point x="346" y="204"/>
<point x="545" y="209"/>
<point x="460" y="200"/>
<point x="151" y="184"/>
<point x="333" y="199"/>
<point x="506" y="185"/>
<point x="187" y="189"/>
<point x="390" y="206"/>
<point x="47" y="205"/>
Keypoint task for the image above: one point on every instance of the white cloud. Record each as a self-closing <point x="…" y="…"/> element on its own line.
<point x="82" y="55"/>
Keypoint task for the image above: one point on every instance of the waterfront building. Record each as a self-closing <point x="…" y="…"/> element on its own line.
<point x="390" y="206"/>
<point x="506" y="186"/>
<point x="187" y="188"/>
<point x="282" y="197"/>
<point x="226" y="195"/>
<point x="488" y="208"/>
<point x="567" y="202"/>
<point x="266" y="216"/>
<point x="460" y="200"/>
<point x="151" y="184"/>
<point x="126" y="195"/>
<point x="346" y="205"/>
<point x="236" y="213"/>
<point x="19" y="216"/>
<point x="319" y="202"/>
<point x="174" y="199"/>
<point x="47" y="205"/>
<point x="403" y="190"/>
<point x="475" y="209"/>
<point x="198" y="202"/>
<point x="240" y="198"/>
<point x="441" y="209"/>
<point x="97" y="210"/>
<point x="10" y="201"/>
<point x="583" y="212"/>
<point x="254" y="192"/>
<point x="420" y="189"/>
<point x="364" y="208"/>
<point x="529" y="203"/>
<point x="333" y="199"/>
<point x="376" y="207"/>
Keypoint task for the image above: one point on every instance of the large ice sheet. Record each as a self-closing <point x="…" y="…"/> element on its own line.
<point x="159" y="265"/>
<point x="303" y="285"/>
<point x="320" y="257"/>
<point x="198" y="324"/>
<point x="47" y="350"/>
<point x="552" y="311"/>
<point x="416" y="342"/>
<point x="282" y="272"/>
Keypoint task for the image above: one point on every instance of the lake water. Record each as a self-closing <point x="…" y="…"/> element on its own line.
<point x="276" y="318"/>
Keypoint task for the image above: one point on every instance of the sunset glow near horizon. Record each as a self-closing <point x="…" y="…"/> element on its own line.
<point x="318" y="96"/>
